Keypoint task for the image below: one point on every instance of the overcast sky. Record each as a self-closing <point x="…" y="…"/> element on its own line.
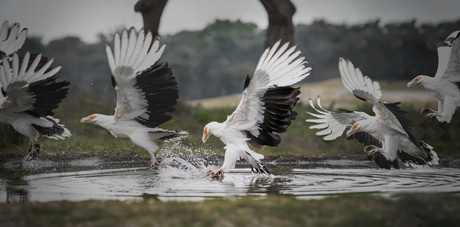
<point x="53" y="19"/>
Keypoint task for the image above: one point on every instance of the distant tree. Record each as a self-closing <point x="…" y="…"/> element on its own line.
<point x="151" y="11"/>
<point x="280" y="24"/>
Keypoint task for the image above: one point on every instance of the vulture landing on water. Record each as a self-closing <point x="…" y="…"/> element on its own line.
<point x="386" y="136"/>
<point x="445" y="85"/>
<point x="265" y="108"/>
<point x="29" y="90"/>
<point x="146" y="93"/>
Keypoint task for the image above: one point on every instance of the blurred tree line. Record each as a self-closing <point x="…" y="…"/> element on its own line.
<point x="214" y="61"/>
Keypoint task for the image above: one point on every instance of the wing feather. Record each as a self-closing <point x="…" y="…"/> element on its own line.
<point x="360" y="86"/>
<point x="110" y="59"/>
<point x="4" y="31"/>
<point x="31" y="85"/>
<point x="23" y="67"/>
<point x="124" y="47"/>
<point x="146" y="92"/>
<point x="3" y="73"/>
<point x="7" y="69"/>
<point x="452" y="72"/>
<point x="447" y="50"/>
<point x="143" y="53"/>
<point x="268" y="98"/>
<point x="332" y="123"/>
<point x="116" y="49"/>
<point x="15" y="64"/>
<point x="11" y="40"/>
<point x="370" y="92"/>
<point x="132" y="46"/>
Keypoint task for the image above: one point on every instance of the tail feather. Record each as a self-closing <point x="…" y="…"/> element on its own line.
<point x="168" y="134"/>
<point x="256" y="165"/>
<point x="431" y="158"/>
<point x="57" y="131"/>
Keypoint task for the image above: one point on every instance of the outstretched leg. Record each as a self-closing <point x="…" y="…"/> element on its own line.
<point x="142" y="139"/>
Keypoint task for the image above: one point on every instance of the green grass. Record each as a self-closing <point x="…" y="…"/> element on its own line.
<point x="298" y="140"/>
<point x="345" y="210"/>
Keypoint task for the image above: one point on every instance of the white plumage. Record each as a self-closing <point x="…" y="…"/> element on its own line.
<point x="29" y="90"/>
<point x="265" y="108"/>
<point x="386" y="136"/>
<point x="146" y="93"/>
<point x="445" y="85"/>
<point x="11" y="41"/>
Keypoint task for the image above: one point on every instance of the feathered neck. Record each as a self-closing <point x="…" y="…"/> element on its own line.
<point x="428" y="82"/>
<point x="105" y="121"/>
<point x="216" y="128"/>
<point x="368" y="125"/>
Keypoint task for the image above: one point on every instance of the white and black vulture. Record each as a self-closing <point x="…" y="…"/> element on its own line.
<point x="386" y="136"/>
<point x="30" y="91"/>
<point x="445" y="85"/>
<point x="146" y="92"/>
<point x="265" y="109"/>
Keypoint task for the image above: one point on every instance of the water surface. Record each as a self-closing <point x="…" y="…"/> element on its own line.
<point x="188" y="182"/>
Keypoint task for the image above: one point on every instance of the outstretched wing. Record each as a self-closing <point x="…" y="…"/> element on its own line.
<point x="452" y="68"/>
<point x="268" y="98"/>
<point x="145" y="92"/>
<point x="11" y="40"/>
<point x="448" y="55"/>
<point x="333" y="124"/>
<point x="360" y="86"/>
<point x="367" y="90"/>
<point x="30" y="85"/>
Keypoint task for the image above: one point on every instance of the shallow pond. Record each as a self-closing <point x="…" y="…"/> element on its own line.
<point x="184" y="181"/>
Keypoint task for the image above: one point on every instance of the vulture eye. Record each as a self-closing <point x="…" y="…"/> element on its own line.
<point x="3" y="92"/>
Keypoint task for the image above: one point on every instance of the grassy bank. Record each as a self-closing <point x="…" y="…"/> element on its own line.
<point x="347" y="210"/>
<point x="192" y="116"/>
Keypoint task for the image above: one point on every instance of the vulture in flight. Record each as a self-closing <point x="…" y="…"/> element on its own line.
<point x="146" y="92"/>
<point x="445" y="85"/>
<point x="30" y="90"/>
<point x="386" y="136"/>
<point x="265" y="109"/>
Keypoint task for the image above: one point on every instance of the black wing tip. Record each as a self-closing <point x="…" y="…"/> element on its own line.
<point x="247" y="82"/>
<point x="161" y="92"/>
<point x="278" y="115"/>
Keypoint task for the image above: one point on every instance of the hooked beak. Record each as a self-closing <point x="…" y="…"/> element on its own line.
<point x="205" y="137"/>
<point x="352" y="131"/>
<point x="413" y="82"/>
<point x="85" y="120"/>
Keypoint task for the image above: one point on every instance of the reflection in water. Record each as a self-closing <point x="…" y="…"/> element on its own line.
<point x="12" y="186"/>
<point x="186" y="180"/>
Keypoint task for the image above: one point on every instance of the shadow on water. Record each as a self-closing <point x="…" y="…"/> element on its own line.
<point x="185" y="179"/>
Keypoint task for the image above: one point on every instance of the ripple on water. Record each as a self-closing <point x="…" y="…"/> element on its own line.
<point x="183" y="180"/>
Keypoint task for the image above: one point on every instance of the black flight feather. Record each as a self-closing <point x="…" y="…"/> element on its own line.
<point x="278" y="114"/>
<point x="159" y="88"/>
<point x="48" y="93"/>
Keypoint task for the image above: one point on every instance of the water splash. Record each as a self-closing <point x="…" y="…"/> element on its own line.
<point x="178" y="167"/>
